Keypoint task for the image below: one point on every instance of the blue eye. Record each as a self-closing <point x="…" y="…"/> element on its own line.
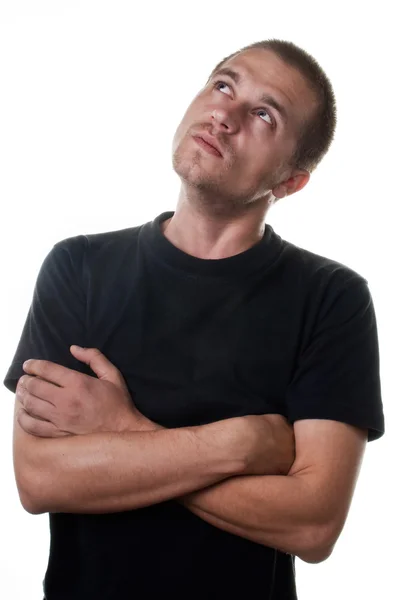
<point x="268" y="115"/>
<point x="217" y="83"/>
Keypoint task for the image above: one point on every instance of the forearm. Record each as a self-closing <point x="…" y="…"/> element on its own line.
<point x="115" y="472"/>
<point x="277" y="511"/>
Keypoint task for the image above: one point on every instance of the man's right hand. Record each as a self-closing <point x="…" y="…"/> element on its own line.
<point x="57" y="401"/>
<point x="268" y="443"/>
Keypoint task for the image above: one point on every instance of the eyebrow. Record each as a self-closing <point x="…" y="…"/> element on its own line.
<point x="266" y="98"/>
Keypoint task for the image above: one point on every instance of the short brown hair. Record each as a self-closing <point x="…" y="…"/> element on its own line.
<point x="318" y="132"/>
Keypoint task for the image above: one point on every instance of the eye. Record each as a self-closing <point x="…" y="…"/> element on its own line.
<point x="270" y="120"/>
<point x="217" y="83"/>
<point x="268" y="115"/>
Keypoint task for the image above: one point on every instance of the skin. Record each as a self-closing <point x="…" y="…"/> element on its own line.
<point x="223" y="202"/>
<point x="221" y="210"/>
<point x="301" y="510"/>
<point x="142" y="464"/>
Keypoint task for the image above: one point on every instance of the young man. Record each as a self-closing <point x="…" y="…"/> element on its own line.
<point x="214" y="425"/>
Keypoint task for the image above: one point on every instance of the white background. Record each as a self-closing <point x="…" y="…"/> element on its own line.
<point x="91" y="95"/>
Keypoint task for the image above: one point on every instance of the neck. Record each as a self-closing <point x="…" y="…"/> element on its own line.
<point x="216" y="236"/>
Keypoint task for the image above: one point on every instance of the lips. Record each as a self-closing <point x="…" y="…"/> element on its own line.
<point x="211" y="142"/>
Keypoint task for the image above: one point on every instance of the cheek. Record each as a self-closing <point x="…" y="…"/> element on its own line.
<point x="253" y="165"/>
<point x="253" y="173"/>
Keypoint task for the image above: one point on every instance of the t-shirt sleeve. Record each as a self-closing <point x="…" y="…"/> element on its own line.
<point x="57" y="315"/>
<point x="337" y="376"/>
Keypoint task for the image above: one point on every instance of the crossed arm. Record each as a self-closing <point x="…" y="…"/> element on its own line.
<point x="302" y="512"/>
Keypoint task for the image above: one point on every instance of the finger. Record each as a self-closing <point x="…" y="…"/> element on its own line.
<point x="35" y="407"/>
<point x="99" y="364"/>
<point x="39" y="387"/>
<point x="50" y="371"/>
<point x="37" y="427"/>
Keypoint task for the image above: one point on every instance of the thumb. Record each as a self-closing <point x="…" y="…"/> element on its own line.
<point x="99" y="364"/>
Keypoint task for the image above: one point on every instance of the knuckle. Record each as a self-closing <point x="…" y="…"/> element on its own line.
<point x="44" y="368"/>
<point x="24" y="421"/>
<point x="31" y="384"/>
<point x="28" y="402"/>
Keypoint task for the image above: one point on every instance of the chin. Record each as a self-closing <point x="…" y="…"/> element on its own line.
<point x="189" y="170"/>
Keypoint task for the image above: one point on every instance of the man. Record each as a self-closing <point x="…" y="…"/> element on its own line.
<point x="214" y="425"/>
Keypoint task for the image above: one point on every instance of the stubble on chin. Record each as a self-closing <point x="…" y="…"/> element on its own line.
<point x="208" y="192"/>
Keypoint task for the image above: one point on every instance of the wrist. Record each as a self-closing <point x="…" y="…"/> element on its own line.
<point x="224" y="437"/>
<point x="138" y="422"/>
<point x="146" y="424"/>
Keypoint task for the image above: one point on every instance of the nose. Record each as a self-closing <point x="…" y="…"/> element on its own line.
<point x="222" y="120"/>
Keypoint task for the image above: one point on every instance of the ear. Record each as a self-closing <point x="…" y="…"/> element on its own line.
<point x="297" y="179"/>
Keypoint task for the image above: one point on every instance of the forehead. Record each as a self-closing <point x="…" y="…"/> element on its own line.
<point x="269" y="73"/>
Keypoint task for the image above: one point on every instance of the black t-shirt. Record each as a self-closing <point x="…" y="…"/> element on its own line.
<point x="274" y="329"/>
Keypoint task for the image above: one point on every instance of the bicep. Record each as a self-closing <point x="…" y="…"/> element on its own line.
<point x="328" y="460"/>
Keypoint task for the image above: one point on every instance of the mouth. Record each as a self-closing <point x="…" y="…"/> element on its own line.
<point x="207" y="146"/>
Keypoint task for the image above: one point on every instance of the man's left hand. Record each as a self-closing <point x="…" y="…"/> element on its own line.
<point x="60" y="401"/>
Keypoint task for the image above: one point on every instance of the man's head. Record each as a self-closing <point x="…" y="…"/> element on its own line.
<point x="271" y="111"/>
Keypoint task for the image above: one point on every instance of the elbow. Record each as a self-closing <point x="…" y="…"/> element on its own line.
<point x="318" y="545"/>
<point x="34" y="471"/>
<point x="32" y="494"/>
<point x="31" y="505"/>
<point x="31" y="502"/>
<point x="316" y="555"/>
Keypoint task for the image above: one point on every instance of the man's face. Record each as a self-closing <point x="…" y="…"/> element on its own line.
<point x="256" y="122"/>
